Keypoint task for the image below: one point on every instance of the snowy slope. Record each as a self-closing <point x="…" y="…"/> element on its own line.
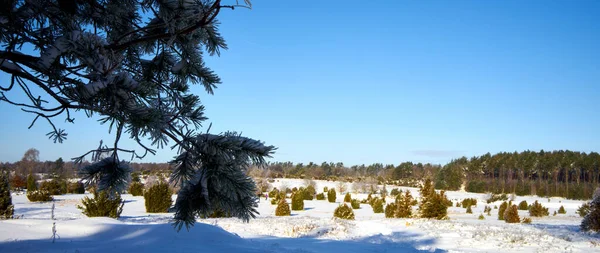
<point x="311" y="230"/>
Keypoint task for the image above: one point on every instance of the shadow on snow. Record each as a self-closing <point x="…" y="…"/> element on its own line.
<point x="208" y="238"/>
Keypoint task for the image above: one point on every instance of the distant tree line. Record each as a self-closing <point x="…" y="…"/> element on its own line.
<point x="568" y="174"/>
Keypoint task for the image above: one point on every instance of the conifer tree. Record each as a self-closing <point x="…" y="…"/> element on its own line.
<point x="6" y="207"/>
<point x="131" y="63"/>
<point x="404" y="205"/>
<point x="347" y="197"/>
<point x="591" y="221"/>
<point x="31" y="184"/>
<point x="511" y="215"/>
<point x="502" y="209"/>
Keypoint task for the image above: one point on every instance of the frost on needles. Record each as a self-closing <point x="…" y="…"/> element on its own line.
<point x="131" y="64"/>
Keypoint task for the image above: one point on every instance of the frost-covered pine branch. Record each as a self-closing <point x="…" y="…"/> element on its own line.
<point x="132" y="64"/>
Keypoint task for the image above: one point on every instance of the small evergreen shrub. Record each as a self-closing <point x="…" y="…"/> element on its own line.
<point x="320" y="196"/>
<point x="395" y="192"/>
<point x="404" y="209"/>
<point x="294" y="189"/>
<point x="434" y="206"/>
<point x="298" y="201"/>
<point x="584" y="209"/>
<point x="283" y="209"/>
<point x="347" y="198"/>
<point x="502" y="209"/>
<point x="344" y="212"/>
<point x="554" y="214"/>
<point x="487" y="209"/>
<point x="39" y="196"/>
<point x="469" y="202"/>
<point x="274" y="201"/>
<point x="497" y="197"/>
<point x="331" y="195"/>
<point x="511" y="215"/>
<point x="31" y="183"/>
<point x="537" y="210"/>
<point x="481" y="217"/>
<point x="309" y="192"/>
<point x="523" y="205"/>
<point x="7" y="209"/>
<point x="158" y="198"/>
<point x="54" y="186"/>
<point x="469" y="210"/>
<point x="325" y="189"/>
<point x="355" y="204"/>
<point x="76" y="188"/>
<point x="136" y="189"/>
<point x="390" y="210"/>
<point x="102" y="205"/>
<point x="526" y="220"/>
<point x="274" y="193"/>
<point x="377" y="205"/>
<point x="591" y="221"/>
<point x="457" y="204"/>
<point x="562" y="210"/>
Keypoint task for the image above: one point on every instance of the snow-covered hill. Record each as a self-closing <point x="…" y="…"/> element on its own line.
<point x="311" y="230"/>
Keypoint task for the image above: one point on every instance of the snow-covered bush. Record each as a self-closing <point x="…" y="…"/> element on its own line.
<point x="298" y="200"/>
<point x="537" y="210"/>
<point x="562" y="210"/>
<point x="344" y="212"/>
<point x="283" y="208"/>
<point x="136" y="189"/>
<point x="511" y="215"/>
<point x="526" y="220"/>
<point x="502" y="209"/>
<point x="523" y="205"/>
<point x="347" y="198"/>
<point x="355" y="204"/>
<point x="591" y="221"/>
<point x="39" y="196"/>
<point x="390" y="210"/>
<point x="331" y="195"/>
<point x="481" y="217"/>
<point x="158" y="198"/>
<point x="377" y="205"/>
<point x="583" y="210"/>
<point x="102" y="205"/>
<point x="321" y="196"/>
<point x="6" y="207"/>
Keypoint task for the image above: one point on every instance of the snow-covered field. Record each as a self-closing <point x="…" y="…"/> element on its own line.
<point x="311" y="230"/>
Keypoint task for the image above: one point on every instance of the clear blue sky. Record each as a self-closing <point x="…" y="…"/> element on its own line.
<point x="389" y="81"/>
